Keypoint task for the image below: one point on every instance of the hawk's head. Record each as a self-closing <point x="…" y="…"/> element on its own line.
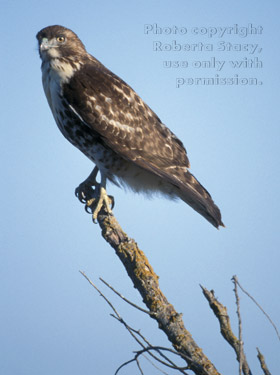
<point x="57" y="41"/>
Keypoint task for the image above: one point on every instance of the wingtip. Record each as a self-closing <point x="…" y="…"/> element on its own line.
<point x="221" y="224"/>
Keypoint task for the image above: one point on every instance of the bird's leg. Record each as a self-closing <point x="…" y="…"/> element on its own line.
<point x="94" y="198"/>
<point x="103" y="199"/>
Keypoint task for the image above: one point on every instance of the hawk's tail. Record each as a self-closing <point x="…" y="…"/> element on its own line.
<point x="195" y="195"/>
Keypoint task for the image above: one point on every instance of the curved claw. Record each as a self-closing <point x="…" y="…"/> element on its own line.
<point x="84" y="192"/>
<point x="94" y="195"/>
<point x="94" y="199"/>
<point x="88" y="209"/>
<point x="80" y="194"/>
<point x="112" y="199"/>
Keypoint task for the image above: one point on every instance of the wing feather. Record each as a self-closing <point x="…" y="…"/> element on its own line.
<point x="111" y="108"/>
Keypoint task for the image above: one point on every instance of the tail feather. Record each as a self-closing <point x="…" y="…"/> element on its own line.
<point x="195" y="195"/>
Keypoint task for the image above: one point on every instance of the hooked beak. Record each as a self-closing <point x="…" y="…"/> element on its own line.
<point x="48" y="49"/>
<point x="44" y="45"/>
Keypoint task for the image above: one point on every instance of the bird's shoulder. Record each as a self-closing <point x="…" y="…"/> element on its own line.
<point x="95" y="85"/>
<point x="111" y="107"/>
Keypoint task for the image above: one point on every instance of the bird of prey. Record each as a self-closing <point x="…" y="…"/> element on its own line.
<point x="104" y="118"/>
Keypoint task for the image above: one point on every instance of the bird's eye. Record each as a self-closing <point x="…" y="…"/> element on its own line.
<point x="60" y="39"/>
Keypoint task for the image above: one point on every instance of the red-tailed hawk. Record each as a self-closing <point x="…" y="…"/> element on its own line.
<point x="105" y="119"/>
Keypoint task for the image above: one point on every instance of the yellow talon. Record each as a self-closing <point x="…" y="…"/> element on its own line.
<point x="94" y="197"/>
<point x="105" y="200"/>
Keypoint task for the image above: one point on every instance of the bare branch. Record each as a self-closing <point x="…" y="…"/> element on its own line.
<point x="134" y="334"/>
<point x="149" y="349"/>
<point x="101" y="294"/>
<point x="117" y="315"/>
<point x="159" y="348"/>
<point x="146" y="282"/>
<point x="125" y="299"/>
<point x="138" y="365"/>
<point x="156" y="367"/>
<point x="124" y="364"/>
<point x="241" y="352"/>
<point x="263" y="364"/>
<point x="259" y="306"/>
<point x="221" y="313"/>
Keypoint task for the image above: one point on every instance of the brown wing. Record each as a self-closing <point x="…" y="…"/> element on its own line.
<point x="112" y="110"/>
<point x="125" y="123"/>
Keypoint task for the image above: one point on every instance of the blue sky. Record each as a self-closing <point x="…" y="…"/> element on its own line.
<point x="51" y="320"/>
